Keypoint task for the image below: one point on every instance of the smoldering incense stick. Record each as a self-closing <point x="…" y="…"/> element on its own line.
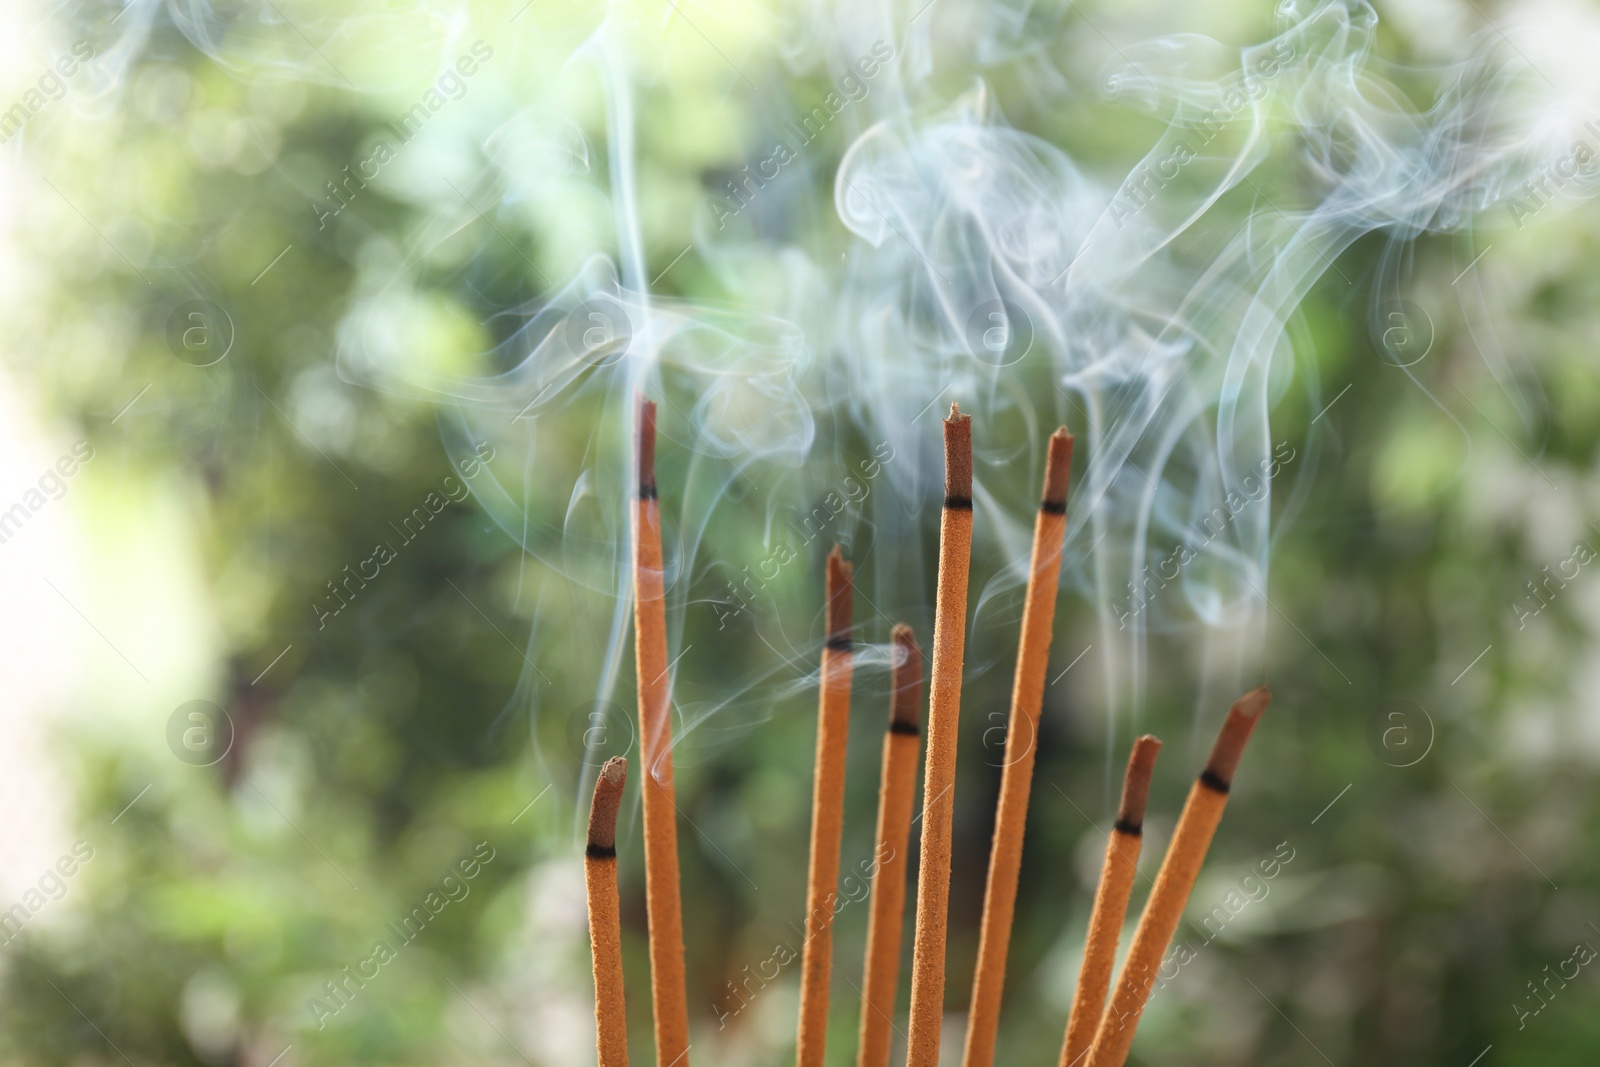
<point x="605" y="915"/>
<point x="663" y="904"/>
<point x="1162" y="912"/>
<point x="1110" y="903"/>
<point x="896" y="792"/>
<point x="827" y="817"/>
<point x="939" y="775"/>
<point x="1022" y="730"/>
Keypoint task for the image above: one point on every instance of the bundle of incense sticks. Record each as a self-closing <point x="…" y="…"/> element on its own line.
<point x="1099" y="1032"/>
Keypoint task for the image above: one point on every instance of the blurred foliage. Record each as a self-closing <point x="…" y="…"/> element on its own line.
<point x="446" y="705"/>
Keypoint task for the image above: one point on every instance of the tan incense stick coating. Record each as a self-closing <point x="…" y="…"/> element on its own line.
<point x="663" y="903"/>
<point x="939" y="774"/>
<point x="1022" y="731"/>
<point x="605" y="915"/>
<point x="827" y="818"/>
<point x="1179" y="869"/>
<point x="1110" y="903"/>
<point x="896" y="792"/>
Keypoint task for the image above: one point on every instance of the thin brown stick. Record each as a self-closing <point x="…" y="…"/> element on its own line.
<point x="1110" y="903"/>
<point x="1022" y="732"/>
<point x="1179" y="869"/>
<point x="896" y="792"/>
<point x="663" y="903"/>
<point x="605" y="915"/>
<point x="939" y="774"/>
<point x="827" y="818"/>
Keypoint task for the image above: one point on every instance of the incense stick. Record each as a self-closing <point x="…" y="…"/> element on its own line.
<point x="663" y="904"/>
<point x="1110" y="903"/>
<point x="605" y="915"/>
<point x="827" y="818"/>
<point x="1162" y="912"/>
<point x="939" y="775"/>
<point x="896" y="791"/>
<point x="1022" y="730"/>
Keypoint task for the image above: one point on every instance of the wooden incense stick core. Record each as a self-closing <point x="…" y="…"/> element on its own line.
<point x="827" y="817"/>
<point x="1022" y="732"/>
<point x="1179" y="869"/>
<point x="939" y="775"/>
<point x="1110" y="903"/>
<point x="896" y="792"/>
<point x="605" y="915"/>
<point x="663" y="902"/>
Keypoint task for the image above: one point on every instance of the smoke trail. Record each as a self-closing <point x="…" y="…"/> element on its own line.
<point x="1158" y="308"/>
<point x="1150" y="309"/>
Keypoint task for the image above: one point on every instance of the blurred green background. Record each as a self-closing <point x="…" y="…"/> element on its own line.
<point x="177" y="282"/>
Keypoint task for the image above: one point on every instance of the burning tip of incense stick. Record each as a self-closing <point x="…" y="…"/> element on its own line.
<point x="1242" y="719"/>
<point x="958" y="460"/>
<point x="904" y="714"/>
<point x="603" y="812"/>
<point x="647" y="448"/>
<point x="1057" y="470"/>
<point x="839" y="613"/>
<point x="1253" y="703"/>
<point x="1136" y="784"/>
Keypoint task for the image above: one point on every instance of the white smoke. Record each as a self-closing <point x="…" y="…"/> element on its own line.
<point x="947" y="257"/>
